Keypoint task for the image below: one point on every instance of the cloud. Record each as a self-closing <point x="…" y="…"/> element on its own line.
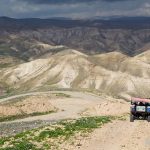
<point x="116" y="0"/>
<point x="55" y="2"/>
<point x="73" y="8"/>
<point x="59" y="1"/>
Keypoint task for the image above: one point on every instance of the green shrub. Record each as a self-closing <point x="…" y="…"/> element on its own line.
<point x="52" y="133"/>
<point x="24" y="145"/>
<point x="70" y="128"/>
<point x="65" y="130"/>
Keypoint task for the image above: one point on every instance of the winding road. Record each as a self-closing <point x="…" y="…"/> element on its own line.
<point x="69" y="108"/>
<point x="117" y="135"/>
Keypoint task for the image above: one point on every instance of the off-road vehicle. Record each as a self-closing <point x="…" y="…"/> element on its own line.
<point x="140" y="109"/>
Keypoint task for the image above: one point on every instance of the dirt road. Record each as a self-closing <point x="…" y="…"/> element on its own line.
<point x="119" y="135"/>
<point x="69" y="108"/>
<point x="87" y="96"/>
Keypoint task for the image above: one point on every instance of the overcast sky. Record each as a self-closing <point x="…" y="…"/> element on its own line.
<point x="73" y="8"/>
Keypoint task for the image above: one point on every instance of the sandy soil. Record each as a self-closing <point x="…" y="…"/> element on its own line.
<point x="111" y="107"/>
<point x="68" y="108"/>
<point x="118" y="135"/>
<point x="27" y="105"/>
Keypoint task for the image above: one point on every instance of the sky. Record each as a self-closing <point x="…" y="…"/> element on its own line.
<point x="73" y="8"/>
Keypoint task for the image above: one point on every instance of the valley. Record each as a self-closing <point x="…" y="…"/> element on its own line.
<point x="67" y="84"/>
<point x="109" y="56"/>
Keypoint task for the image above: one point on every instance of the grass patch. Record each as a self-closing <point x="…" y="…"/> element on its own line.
<point x="62" y="95"/>
<point x="71" y="127"/>
<point x="51" y="136"/>
<point x="24" y="145"/>
<point x="5" y="65"/>
<point x="12" y="92"/>
<point x="22" y="116"/>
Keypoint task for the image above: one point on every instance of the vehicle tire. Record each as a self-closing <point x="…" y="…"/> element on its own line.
<point x="132" y="118"/>
<point x="148" y="118"/>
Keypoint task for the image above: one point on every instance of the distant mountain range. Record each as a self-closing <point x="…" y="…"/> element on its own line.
<point x="110" y="55"/>
<point x="106" y="23"/>
<point x="18" y="37"/>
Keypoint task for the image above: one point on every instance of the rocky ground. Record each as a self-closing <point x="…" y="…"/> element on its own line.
<point x="119" y="134"/>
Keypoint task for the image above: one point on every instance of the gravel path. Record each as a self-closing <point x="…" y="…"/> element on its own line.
<point x="70" y="108"/>
<point x="8" y="129"/>
<point x="117" y="135"/>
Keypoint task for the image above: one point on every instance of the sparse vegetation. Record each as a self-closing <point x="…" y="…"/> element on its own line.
<point x="62" y="95"/>
<point x="5" y="65"/>
<point x="11" y="93"/>
<point x="25" y="145"/>
<point x="27" y="106"/>
<point x="51" y="136"/>
<point x="22" y="116"/>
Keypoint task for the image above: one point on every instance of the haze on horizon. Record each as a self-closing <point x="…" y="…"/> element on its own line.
<point x="73" y="8"/>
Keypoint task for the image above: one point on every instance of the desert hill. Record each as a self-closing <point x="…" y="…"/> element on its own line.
<point x="113" y="73"/>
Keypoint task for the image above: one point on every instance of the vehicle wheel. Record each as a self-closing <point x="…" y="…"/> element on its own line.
<point x="148" y="118"/>
<point x="132" y="118"/>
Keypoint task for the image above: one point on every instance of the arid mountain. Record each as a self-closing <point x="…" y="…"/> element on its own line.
<point x="22" y="38"/>
<point x="111" y="56"/>
<point x="113" y="73"/>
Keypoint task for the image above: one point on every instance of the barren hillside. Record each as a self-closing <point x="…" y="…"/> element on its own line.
<point x="30" y="38"/>
<point x="112" y="73"/>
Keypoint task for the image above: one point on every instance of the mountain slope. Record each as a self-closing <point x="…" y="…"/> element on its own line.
<point x="21" y="37"/>
<point x="112" y="73"/>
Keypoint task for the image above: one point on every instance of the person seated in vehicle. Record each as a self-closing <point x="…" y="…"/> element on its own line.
<point x="141" y="104"/>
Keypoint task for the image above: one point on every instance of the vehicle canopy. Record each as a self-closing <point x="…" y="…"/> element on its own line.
<point x="143" y="100"/>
